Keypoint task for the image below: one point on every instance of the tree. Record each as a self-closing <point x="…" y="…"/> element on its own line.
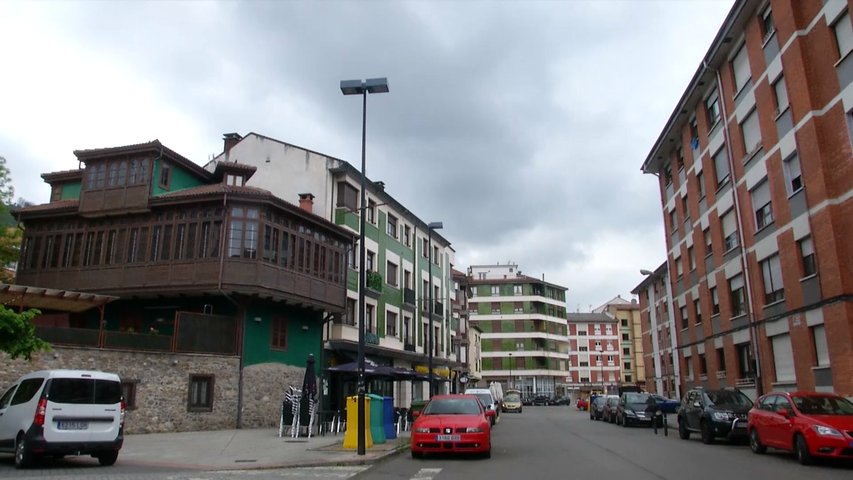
<point x="18" y="333"/>
<point x="10" y="234"/>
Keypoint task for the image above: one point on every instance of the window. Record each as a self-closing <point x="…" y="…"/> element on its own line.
<point x="746" y="361"/>
<point x="235" y="180"/>
<point x="518" y="289"/>
<point x="843" y="35"/>
<point x="793" y="174"/>
<point x="709" y="247"/>
<point x="712" y="107"/>
<point x="583" y="349"/>
<point x="762" y="205"/>
<point x="625" y="337"/>
<point x="729" y="230"/>
<point x="278" y="333"/>
<point x="624" y="322"/>
<point x="721" y="360"/>
<point x="390" y="324"/>
<point x="350" y="316"/>
<point x="691" y="258"/>
<point x="697" y="308"/>
<point x="700" y="182"/>
<point x="672" y="221"/>
<point x="370" y="257"/>
<point x="496" y="290"/>
<point x="740" y="69"/>
<point x="165" y="175"/>
<point x="243" y="233"/>
<point x="715" y="301"/>
<point x="407" y="235"/>
<point x="783" y="358"/>
<point x="703" y="366"/>
<point x="721" y="166"/>
<point x="694" y="133"/>
<point x="667" y="174"/>
<point x="685" y="210"/>
<point x="626" y="365"/>
<point x="369" y="324"/>
<point x="347" y="196"/>
<point x="820" y="347"/>
<point x="371" y="211"/>
<point x="766" y="20"/>
<point x="809" y="265"/>
<point x="751" y="132"/>
<point x="683" y="312"/>
<point x="200" y="394"/>
<point x="679" y="270"/>
<point x="626" y="351"/>
<point x="628" y="379"/>
<point x="771" y="269"/>
<point x="391" y="227"/>
<point x="780" y="94"/>
<point x="391" y="274"/>
<point x="425" y="250"/>
<point x="128" y="393"/>
<point x="582" y="333"/>
<point x="738" y="298"/>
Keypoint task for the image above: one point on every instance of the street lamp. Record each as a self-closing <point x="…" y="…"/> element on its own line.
<point x="509" y="384"/>
<point x="600" y="351"/>
<point x="362" y="87"/>
<point x="430" y="227"/>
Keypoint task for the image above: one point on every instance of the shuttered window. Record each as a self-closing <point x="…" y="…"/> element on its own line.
<point x="821" y="350"/>
<point x="729" y="230"/>
<point x="740" y="68"/>
<point x="721" y="166"/>
<point x="843" y="35"/>
<point x="771" y="269"/>
<point x="783" y="358"/>
<point x="751" y="133"/>
<point x="761" y="205"/>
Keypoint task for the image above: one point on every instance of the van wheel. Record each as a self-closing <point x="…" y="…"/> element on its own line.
<point x="108" y="458"/>
<point x="23" y="456"/>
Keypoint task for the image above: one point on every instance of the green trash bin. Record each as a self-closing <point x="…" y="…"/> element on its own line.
<point x="377" y="424"/>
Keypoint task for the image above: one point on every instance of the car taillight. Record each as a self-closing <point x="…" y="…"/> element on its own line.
<point x="123" y="409"/>
<point x="40" y="411"/>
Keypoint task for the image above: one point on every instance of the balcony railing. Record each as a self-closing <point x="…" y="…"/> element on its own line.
<point x="408" y="296"/>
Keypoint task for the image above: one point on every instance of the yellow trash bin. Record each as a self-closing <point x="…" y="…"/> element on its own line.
<point x="351" y="435"/>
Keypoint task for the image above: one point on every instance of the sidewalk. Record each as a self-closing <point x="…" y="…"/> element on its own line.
<point x="247" y="449"/>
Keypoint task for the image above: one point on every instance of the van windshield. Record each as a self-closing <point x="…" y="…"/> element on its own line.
<point x="512" y="397"/>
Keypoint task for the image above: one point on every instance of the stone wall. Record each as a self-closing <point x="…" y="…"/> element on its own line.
<point x="264" y="386"/>
<point x="163" y="384"/>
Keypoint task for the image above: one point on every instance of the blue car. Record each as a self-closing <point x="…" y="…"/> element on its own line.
<point x="666" y="405"/>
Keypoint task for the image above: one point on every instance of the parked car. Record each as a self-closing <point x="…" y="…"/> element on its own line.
<point x="809" y="424"/>
<point x="608" y="412"/>
<point x="633" y="409"/>
<point x="714" y="413"/>
<point x="596" y="407"/>
<point x="63" y="412"/>
<point x="666" y="405"/>
<point x="455" y="423"/>
<point x="562" y="401"/>
<point x="541" y="400"/>
<point x="512" y="401"/>
<point x="582" y="403"/>
<point x="488" y="401"/>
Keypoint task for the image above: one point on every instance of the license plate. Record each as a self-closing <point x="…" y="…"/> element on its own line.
<point x="740" y="424"/>
<point x="72" y="425"/>
<point x="448" y="438"/>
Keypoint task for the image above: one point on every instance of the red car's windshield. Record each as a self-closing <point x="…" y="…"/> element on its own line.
<point x="824" y="405"/>
<point x="452" y="406"/>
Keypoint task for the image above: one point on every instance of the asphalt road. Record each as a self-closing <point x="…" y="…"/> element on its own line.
<point x="561" y="442"/>
<point x="541" y="443"/>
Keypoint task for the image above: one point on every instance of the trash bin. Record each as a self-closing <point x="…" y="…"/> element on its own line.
<point x="351" y="435"/>
<point x="377" y="427"/>
<point x="388" y="417"/>
<point x="417" y="406"/>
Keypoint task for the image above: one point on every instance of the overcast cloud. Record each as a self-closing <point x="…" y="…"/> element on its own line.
<point x="521" y="125"/>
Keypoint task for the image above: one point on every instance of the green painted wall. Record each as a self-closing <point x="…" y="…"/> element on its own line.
<point x="181" y="178"/>
<point x="70" y="191"/>
<point x="300" y="343"/>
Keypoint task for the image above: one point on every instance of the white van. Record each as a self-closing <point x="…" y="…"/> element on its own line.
<point x="488" y="400"/>
<point x="63" y="412"/>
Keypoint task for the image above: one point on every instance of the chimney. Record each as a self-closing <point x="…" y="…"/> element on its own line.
<point x="231" y="139"/>
<point x="306" y="202"/>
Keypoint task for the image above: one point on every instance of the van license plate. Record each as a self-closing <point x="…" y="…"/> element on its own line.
<point x="448" y="438"/>
<point x="72" y="425"/>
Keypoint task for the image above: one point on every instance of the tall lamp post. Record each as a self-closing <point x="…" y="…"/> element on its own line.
<point x="362" y="87"/>
<point x="600" y="350"/>
<point x="509" y="384"/>
<point x="430" y="227"/>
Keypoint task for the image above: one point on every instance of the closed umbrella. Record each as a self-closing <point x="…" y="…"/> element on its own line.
<point x="308" y="400"/>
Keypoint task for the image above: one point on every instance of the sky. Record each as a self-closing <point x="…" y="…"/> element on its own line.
<point x="521" y="125"/>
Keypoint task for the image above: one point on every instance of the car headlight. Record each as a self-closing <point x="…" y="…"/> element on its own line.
<point x="828" y="431"/>
<point x="630" y="413"/>
<point x="722" y="416"/>
<point x="422" y="430"/>
<point x="473" y="430"/>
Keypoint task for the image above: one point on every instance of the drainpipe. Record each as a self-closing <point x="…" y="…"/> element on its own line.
<point x="753" y="330"/>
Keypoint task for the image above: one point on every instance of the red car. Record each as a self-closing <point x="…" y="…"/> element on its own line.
<point x="583" y="404"/>
<point x="809" y="424"/>
<point x="452" y="424"/>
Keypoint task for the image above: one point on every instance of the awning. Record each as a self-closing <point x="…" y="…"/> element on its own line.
<point x="22" y="296"/>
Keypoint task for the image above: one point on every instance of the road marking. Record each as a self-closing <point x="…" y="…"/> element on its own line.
<point x="426" y="474"/>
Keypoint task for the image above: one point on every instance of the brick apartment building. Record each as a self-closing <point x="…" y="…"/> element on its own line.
<point x="594" y="353"/>
<point x="755" y="172"/>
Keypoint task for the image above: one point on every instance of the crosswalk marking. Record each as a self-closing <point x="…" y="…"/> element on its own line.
<point x="426" y="474"/>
